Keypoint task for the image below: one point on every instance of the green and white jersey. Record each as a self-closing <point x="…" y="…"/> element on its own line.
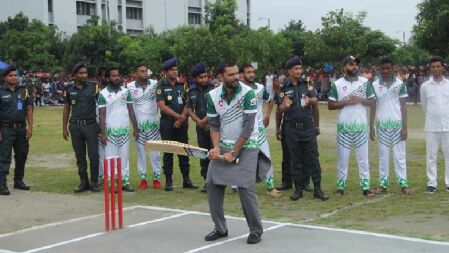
<point x="231" y="114"/>
<point x="144" y="104"/>
<point x="262" y="96"/>
<point x="352" y="118"/>
<point x="388" y="107"/>
<point x="117" y="117"/>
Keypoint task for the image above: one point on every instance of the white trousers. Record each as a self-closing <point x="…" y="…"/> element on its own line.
<point x="147" y="135"/>
<point x="345" y="142"/>
<point x="435" y="140"/>
<point x="119" y="146"/>
<point x="391" y="139"/>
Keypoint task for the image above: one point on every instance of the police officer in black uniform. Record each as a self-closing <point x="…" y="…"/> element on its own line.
<point x="295" y="101"/>
<point x="197" y="108"/>
<point x="15" y="109"/>
<point x="171" y="97"/>
<point x="80" y="104"/>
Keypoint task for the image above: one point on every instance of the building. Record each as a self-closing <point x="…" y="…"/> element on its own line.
<point x="132" y="16"/>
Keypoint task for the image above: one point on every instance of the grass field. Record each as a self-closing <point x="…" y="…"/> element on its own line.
<point x="51" y="167"/>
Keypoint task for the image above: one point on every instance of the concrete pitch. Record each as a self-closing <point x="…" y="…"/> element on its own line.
<point x="154" y="229"/>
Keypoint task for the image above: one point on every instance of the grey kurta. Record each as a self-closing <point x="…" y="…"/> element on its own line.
<point x="242" y="174"/>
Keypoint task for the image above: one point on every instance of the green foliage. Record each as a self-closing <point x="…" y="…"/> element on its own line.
<point x="295" y="31"/>
<point x="432" y="29"/>
<point x="410" y="55"/>
<point x="28" y="44"/>
<point x="220" y="17"/>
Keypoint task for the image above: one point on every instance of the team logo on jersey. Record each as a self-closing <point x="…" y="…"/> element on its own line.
<point x="281" y="95"/>
<point x="73" y="102"/>
<point x="158" y="91"/>
<point x="380" y="88"/>
<point x="344" y="88"/>
<point x="220" y="103"/>
<point x="169" y="98"/>
<point x="109" y="96"/>
<point x="135" y="92"/>
<point x="253" y="101"/>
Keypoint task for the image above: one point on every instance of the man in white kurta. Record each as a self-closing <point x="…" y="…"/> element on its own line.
<point x="435" y="103"/>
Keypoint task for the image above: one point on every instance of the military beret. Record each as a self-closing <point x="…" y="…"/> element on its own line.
<point x="170" y="63"/>
<point x="8" y="69"/>
<point x="349" y="59"/>
<point x="77" y="67"/>
<point x="295" y="60"/>
<point x="198" y="69"/>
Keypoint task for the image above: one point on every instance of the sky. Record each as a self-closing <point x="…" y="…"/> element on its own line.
<point x="393" y="17"/>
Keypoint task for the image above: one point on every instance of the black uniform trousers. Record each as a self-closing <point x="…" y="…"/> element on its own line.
<point x="82" y="136"/>
<point x="169" y="133"/>
<point x="303" y="149"/>
<point x="204" y="141"/>
<point x="13" y="138"/>
<point x="286" y="176"/>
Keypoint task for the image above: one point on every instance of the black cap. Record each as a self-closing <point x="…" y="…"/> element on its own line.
<point x="295" y="60"/>
<point x="8" y="69"/>
<point x="349" y="59"/>
<point x="77" y="67"/>
<point x="170" y="63"/>
<point x="198" y="69"/>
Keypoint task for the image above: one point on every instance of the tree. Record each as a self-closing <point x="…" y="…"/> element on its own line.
<point x="220" y="17"/>
<point x="295" y="32"/>
<point x="432" y="29"/>
<point x="410" y="55"/>
<point x="28" y="44"/>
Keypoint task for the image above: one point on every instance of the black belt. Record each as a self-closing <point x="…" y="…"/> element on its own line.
<point x="82" y="122"/>
<point x="299" y="125"/>
<point x="13" y="125"/>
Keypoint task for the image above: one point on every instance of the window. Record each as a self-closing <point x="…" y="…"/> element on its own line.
<point x="194" y="16"/>
<point x="50" y="5"/>
<point x="134" y="13"/>
<point x="85" y="9"/>
<point x="120" y="18"/>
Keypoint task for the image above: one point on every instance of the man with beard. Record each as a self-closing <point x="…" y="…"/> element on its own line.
<point x="350" y="94"/>
<point x="249" y="77"/>
<point x="296" y="100"/>
<point x="143" y="93"/>
<point x="197" y="109"/>
<point x="116" y="110"/>
<point x="171" y="97"/>
<point x="231" y="112"/>
<point x="80" y="104"/>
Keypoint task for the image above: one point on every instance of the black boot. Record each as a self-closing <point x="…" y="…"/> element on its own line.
<point x="84" y="186"/>
<point x="319" y="194"/>
<point x="188" y="184"/>
<point x="4" y="189"/>
<point x="284" y="186"/>
<point x="21" y="185"/>
<point x="296" y="195"/>
<point x="94" y="187"/>
<point x="168" y="183"/>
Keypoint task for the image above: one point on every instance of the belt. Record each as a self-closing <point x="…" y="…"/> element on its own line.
<point x="299" y="125"/>
<point x="13" y="125"/>
<point x="82" y="122"/>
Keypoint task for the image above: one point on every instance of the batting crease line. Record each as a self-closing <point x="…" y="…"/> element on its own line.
<point x="230" y="240"/>
<point x="157" y="220"/>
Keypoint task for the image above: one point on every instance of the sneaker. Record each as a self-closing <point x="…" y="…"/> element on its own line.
<point x="156" y="184"/>
<point x="235" y="189"/>
<point x="431" y="189"/>
<point x="143" y="185"/>
<point x="447" y="189"/>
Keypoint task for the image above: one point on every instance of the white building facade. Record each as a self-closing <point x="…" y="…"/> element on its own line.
<point x="132" y="16"/>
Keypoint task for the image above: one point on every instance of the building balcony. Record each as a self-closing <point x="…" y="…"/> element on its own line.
<point x="82" y="19"/>
<point x="134" y="24"/>
<point x="195" y="3"/>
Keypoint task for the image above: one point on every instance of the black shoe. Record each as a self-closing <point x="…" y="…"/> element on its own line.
<point x="296" y="195"/>
<point x="254" y="238"/>
<point x="214" y="235"/>
<point x="308" y="188"/>
<point x="127" y="188"/>
<point x="204" y="190"/>
<point x="319" y="194"/>
<point x="94" y="187"/>
<point x="4" y="189"/>
<point x="431" y="189"/>
<point x="21" y="186"/>
<point x="189" y="185"/>
<point x="82" y="187"/>
<point x="168" y="184"/>
<point x="283" y="187"/>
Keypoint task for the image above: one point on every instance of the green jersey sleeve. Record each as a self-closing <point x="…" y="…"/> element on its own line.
<point x="250" y="102"/>
<point x="333" y="94"/>
<point x="403" y="91"/>
<point x="370" y="91"/>
<point x="101" y="101"/>
<point x="211" y="111"/>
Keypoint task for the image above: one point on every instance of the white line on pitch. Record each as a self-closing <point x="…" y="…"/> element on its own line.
<point x="7" y="251"/>
<point x="63" y="243"/>
<point x="230" y="240"/>
<point x="158" y="220"/>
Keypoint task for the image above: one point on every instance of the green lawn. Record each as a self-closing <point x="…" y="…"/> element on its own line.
<point x="52" y="168"/>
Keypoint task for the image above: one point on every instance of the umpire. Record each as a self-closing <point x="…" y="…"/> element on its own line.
<point x="171" y="99"/>
<point x="15" y="109"/>
<point x="80" y="104"/>
<point x="295" y="100"/>
<point x="197" y="108"/>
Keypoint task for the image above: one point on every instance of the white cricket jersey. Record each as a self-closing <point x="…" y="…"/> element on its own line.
<point x="231" y="114"/>
<point x="144" y="104"/>
<point x="116" y="104"/>
<point x="262" y="96"/>
<point x="388" y="106"/>
<point x="352" y="118"/>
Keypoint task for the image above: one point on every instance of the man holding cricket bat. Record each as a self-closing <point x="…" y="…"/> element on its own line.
<point x="231" y="112"/>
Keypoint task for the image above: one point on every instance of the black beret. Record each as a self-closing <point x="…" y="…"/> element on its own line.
<point x="77" y="67"/>
<point x="349" y="59"/>
<point x="170" y="63"/>
<point x="8" y="69"/>
<point x="198" y="69"/>
<point x="295" y="60"/>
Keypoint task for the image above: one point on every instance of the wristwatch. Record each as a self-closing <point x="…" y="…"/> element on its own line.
<point x="234" y="153"/>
